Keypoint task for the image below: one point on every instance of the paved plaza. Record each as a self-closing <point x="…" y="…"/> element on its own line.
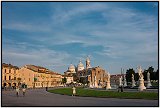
<point x="39" y="97"/>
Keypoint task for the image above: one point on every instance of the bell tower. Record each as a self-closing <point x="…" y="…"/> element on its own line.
<point x="88" y="65"/>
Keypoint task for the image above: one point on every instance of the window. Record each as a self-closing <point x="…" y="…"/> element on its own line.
<point x="29" y="79"/>
<point x="9" y="71"/>
<point x="5" y="70"/>
<point x="14" y="78"/>
<point x="5" y="78"/>
<point x="9" y="77"/>
<point x="14" y="71"/>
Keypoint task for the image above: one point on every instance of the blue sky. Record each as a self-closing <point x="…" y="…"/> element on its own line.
<point x="54" y="34"/>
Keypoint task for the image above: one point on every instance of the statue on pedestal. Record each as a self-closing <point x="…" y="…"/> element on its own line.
<point x="133" y="81"/>
<point x="148" y="80"/>
<point x="125" y="82"/>
<point x="108" y="85"/>
<point x="120" y="81"/>
<point x="140" y="72"/>
<point x="141" y="80"/>
<point x="95" y="82"/>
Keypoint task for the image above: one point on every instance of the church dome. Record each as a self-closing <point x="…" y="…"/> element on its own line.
<point x="80" y="64"/>
<point x="71" y="68"/>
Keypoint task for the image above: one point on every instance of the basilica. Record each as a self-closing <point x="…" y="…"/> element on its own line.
<point x="96" y="77"/>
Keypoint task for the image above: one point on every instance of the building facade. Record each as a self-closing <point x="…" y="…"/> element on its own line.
<point x="96" y="77"/>
<point x="10" y="75"/>
<point x="30" y="75"/>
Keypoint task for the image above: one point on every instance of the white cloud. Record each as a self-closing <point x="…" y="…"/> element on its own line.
<point x="125" y="33"/>
<point x="43" y="57"/>
<point x="26" y="27"/>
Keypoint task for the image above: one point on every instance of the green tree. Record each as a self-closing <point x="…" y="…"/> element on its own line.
<point x="129" y="73"/>
<point x="35" y="79"/>
<point x="157" y="74"/>
<point x="151" y="71"/>
<point x="145" y="74"/>
<point x="83" y="80"/>
<point x="64" y="80"/>
<point x="75" y="78"/>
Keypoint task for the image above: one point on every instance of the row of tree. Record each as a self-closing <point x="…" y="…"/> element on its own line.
<point x="154" y="75"/>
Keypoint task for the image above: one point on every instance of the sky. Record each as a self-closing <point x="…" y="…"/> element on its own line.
<point x="114" y="35"/>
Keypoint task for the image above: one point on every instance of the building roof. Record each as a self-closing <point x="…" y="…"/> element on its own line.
<point x="9" y="65"/>
<point x="40" y="69"/>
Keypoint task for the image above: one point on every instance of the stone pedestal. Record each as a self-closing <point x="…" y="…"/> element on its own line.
<point x="90" y="85"/>
<point x="133" y="83"/>
<point x="149" y="84"/>
<point x="95" y="84"/>
<point x="125" y="84"/>
<point x="141" y="85"/>
<point x="108" y="85"/>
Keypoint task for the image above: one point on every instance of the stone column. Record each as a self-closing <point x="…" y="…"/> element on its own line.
<point x="148" y="80"/>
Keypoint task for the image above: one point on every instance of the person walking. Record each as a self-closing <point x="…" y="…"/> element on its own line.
<point x="17" y="91"/>
<point x="24" y="91"/>
<point x="73" y="91"/>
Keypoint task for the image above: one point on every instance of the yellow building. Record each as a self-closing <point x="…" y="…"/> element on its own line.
<point x="30" y="75"/>
<point x="10" y="75"/>
<point x="36" y="76"/>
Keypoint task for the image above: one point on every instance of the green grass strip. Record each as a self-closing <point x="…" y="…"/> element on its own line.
<point x="106" y="94"/>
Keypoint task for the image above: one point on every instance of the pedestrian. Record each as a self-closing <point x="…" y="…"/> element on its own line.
<point x="24" y="91"/>
<point x="73" y="91"/>
<point x="17" y="91"/>
<point x="46" y="88"/>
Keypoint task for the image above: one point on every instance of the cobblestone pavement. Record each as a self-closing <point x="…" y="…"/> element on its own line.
<point x="39" y="97"/>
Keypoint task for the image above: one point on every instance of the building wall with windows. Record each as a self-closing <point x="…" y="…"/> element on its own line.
<point x="39" y="77"/>
<point x="10" y="75"/>
<point x="27" y="76"/>
<point x="30" y="75"/>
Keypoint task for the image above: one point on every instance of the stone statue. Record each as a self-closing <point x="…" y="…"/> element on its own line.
<point x="141" y="80"/>
<point x="120" y="81"/>
<point x="125" y="82"/>
<point x="133" y="81"/>
<point x="132" y="77"/>
<point x="140" y="72"/>
<point x="148" y="76"/>
<point x="148" y="80"/>
<point x="108" y="77"/>
<point x="108" y="85"/>
<point x="95" y="82"/>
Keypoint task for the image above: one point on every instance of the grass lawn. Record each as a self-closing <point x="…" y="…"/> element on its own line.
<point x="106" y="94"/>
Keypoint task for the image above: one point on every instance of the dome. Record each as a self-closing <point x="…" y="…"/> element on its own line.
<point x="80" y="64"/>
<point x="71" y="66"/>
